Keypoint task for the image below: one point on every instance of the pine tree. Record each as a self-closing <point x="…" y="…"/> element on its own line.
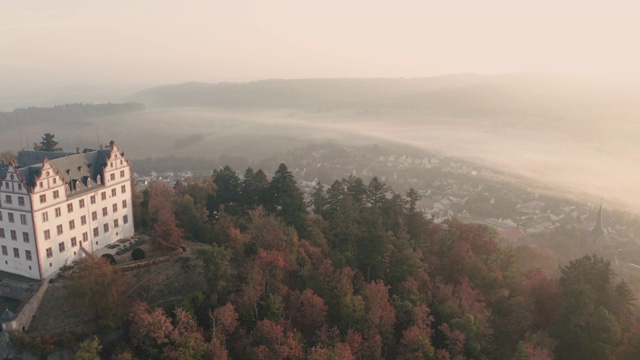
<point x="286" y="201"/>
<point x="47" y="144"/>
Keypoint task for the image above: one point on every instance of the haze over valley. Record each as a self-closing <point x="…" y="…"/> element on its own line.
<point x="570" y="135"/>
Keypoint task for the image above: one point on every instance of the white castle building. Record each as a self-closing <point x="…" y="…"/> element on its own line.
<point x="52" y="204"/>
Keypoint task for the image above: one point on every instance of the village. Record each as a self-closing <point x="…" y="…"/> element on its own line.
<point x="450" y="188"/>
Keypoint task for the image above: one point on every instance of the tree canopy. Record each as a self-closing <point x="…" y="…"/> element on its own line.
<point x="48" y="143"/>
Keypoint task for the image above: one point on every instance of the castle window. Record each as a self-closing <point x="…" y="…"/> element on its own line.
<point x="121" y="173"/>
<point x="103" y="195"/>
<point x="69" y="207"/>
<point x="4" y="251"/>
<point x="125" y="219"/>
<point x="124" y="204"/>
<point x="112" y="177"/>
<point x="81" y="203"/>
<point x="23" y="219"/>
<point x="2" y="235"/>
<point x="25" y="237"/>
<point x="74" y="242"/>
<point x="0" y="215"/>
<point x="104" y="211"/>
<point x="21" y="200"/>
<point x="43" y="198"/>
<point x="61" y="247"/>
<point x="56" y="194"/>
<point x="11" y="218"/>
<point x="85" y="237"/>
<point x="72" y="225"/>
<point x="58" y="212"/>
<point x="95" y="232"/>
<point x="41" y="185"/>
<point x="92" y="199"/>
<point x="59" y="229"/>
<point x="47" y="235"/>
<point x="49" y="253"/>
<point x="27" y="255"/>
<point x="113" y="192"/>
<point x="8" y="199"/>
<point x="45" y="216"/>
<point x="54" y="182"/>
<point x="16" y="253"/>
<point x="6" y="185"/>
<point x="83" y="220"/>
<point x="115" y="207"/>
<point x="94" y="215"/>
<point x="106" y="228"/>
<point x="115" y="223"/>
<point x="123" y="189"/>
<point x="14" y="236"/>
<point x="20" y="187"/>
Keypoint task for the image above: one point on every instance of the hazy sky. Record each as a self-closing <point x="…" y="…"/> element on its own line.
<point x="52" y="43"/>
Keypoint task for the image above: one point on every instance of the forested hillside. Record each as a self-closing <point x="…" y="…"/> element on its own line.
<point x="64" y="114"/>
<point x="364" y="276"/>
<point x="466" y="95"/>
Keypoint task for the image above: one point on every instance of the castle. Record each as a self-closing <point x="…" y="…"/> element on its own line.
<point x="57" y="206"/>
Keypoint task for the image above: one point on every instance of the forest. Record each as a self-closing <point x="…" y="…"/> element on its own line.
<point x="356" y="272"/>
<point x="65" y="113"/>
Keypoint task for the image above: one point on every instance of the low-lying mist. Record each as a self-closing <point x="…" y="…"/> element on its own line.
<point x="563" y="135"/>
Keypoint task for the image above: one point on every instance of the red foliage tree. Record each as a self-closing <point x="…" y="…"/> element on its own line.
<point x="274" y="341"/>
<point x="226" y="320"/>
<point x="416" y="340"/>
<point x="166" y="233"/>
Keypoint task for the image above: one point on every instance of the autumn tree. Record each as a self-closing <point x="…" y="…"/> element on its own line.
<point x="97" y="286"/>
<point x="416" y="340"/>
<point x="273" y="340"/>
<point x="89" y="349"/>
<point x="156" y="336"/>
<point x="150" y="329"/>
<point x="167" y="235"/>
<point x="381" y="315"/>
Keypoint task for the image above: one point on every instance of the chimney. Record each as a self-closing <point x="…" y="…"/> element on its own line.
<point x="77" y="150"/>
<point x="101" y="147"/>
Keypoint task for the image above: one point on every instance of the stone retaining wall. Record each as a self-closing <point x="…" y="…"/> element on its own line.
<point x="27" y="310"/>
<point x="134" y="265"/>
<point x="18" y="290"/>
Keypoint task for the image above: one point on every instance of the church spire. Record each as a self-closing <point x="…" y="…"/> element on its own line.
<point x="597" y="228"/>
<point x="597" y="233"/>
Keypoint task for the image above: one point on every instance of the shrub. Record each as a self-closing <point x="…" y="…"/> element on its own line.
<point x="20" y="340"/>
<point x="137" y="254"/>
<point x="110" y="258"/>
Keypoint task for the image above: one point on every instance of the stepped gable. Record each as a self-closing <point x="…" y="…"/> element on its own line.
<point x="79" y="170"/>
